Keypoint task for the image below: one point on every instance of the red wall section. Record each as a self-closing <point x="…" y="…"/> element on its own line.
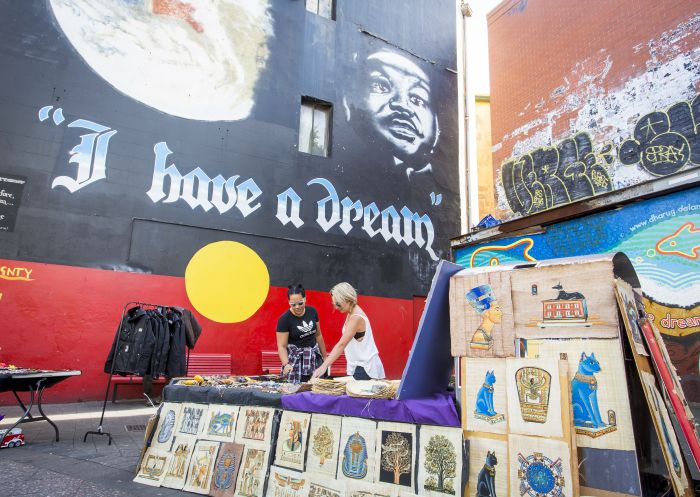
<point x="66" y="317"/>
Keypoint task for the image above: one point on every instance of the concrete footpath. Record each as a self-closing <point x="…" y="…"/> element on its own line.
<point x="69" y="467"/>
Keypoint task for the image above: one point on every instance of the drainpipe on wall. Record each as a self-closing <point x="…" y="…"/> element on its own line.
<point x="468" y="179"/>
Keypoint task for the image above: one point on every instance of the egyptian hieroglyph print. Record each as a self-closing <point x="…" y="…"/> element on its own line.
<point x="357" y="456"/>
<point x="396" y="454"/>
<point x="254" y="426"/>
<point x="201" y="467"/>
<point x="440" y="461"/>
<point x="181" y="453"/>
<point x="324" y="487"/>
<point x="192" y="419"/>
<point x="153" y="467"/>
<point x="221" y="423"/>
<point x="539" y="467"/>
<point x="556" y="302"/>
<point x="324" y="443"/>
<point x="630" y="303"/>
<point x="666" y="434"/>
<point x="292" y="439"/>
<point x="488" y="466"/>
<point x="599" y="397"/>
<point x="226" y="468"/>
<point x="287" y="483"/>
<point x="167" y="425"/>
<point x="481" y="315"/>
<point x="486" y="404"/>
<point x="251" y="477"/>
<point x="533" y="389"/>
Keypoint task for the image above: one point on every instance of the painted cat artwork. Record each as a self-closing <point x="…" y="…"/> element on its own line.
<point x="566" y="309"/>
<point x="584" y="399"/>
<point x="483" y="300"/>
<point x="484" y="401"/>
<point x="486" y="484"/>
<point x="354" y="463"/>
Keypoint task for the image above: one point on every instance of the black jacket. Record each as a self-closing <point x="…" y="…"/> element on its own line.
<point x="134" y="344"/>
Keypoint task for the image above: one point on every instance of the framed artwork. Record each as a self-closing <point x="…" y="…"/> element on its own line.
<point x="535" y="397"/>
<point x="488" y="466"/>
<point x="481" y="315"/>
<point x="599" y="398"/>
<point x="251" y="476"/>
<point x="539" y="467"/>
<point x="292" y="439"/>
<point x="364" y="489"/>
<point x="667" y="435"/>
<point x="484" y="394"/>
<point x="287" y="483"/>
<point x="226" y="468"/>
<point x="201" y="467"/>
<point x="167" y="425"/>
<point x="192" y="419"/>
<point x="220" y="423"/>
<point x="554" y="301"/>
<point x="629" y="303"/>
<point x="181" y="453"/>
<point x="254" y="426"/>
<point x="396" y="454"/>
<point x="324" y="442"/>
<point x="440" y="461"/>
<point x="153" y="467"/>
<point x="324" y="487"/>
<point x="357" y="457"/>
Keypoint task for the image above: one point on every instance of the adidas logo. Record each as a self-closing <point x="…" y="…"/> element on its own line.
<point x="307" y="326"/>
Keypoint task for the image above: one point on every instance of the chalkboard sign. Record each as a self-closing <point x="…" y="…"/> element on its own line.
<point x="10" y="197"/>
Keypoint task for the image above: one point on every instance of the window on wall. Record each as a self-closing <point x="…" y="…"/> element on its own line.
<point x="323" y="8"/>
<point x="314" y="127"/>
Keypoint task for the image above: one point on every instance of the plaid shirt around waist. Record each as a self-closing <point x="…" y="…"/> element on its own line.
<point x="304" y="361"/>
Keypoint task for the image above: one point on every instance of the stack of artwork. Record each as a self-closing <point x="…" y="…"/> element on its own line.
<point x="224" y="450"/>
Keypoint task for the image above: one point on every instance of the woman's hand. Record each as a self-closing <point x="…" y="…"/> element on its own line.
<point x="286" y="369"/>
<point x="320" y="371"/>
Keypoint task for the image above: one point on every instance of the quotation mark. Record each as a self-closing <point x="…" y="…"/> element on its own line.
<point x="44" y="113"/>
<point x="435" y="199"/>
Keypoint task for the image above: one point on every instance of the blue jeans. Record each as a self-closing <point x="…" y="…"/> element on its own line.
<point x="360" y="374"/>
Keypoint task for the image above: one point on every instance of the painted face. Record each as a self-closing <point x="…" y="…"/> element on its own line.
<point x="495" y="313"/>
<point x="399" y="102"/>
<point x="297" y="304"/>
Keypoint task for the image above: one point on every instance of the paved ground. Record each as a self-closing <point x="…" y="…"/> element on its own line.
<point x="46" y="468"/>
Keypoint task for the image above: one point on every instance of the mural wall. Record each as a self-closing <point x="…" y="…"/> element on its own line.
<point x="661" y="236"/>
<point x="160" y="138"/>
<point x="612" y="104"/>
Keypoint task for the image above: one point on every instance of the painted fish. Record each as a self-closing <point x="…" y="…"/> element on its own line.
<point x="685" y="242"/>
<point x="492" y="255"/>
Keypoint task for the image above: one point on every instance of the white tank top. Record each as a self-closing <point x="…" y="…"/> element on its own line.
<point x="364" y="353"/>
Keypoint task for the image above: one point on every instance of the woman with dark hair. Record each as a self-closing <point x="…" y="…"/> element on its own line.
<point x="300" y="343"/>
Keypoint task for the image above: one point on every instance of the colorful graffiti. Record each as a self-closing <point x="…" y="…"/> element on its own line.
<point x="663" y="143"/>
<point x="661" y="238"/>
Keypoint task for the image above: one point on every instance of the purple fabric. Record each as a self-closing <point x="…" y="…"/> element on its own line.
<point x="438" y="409"/>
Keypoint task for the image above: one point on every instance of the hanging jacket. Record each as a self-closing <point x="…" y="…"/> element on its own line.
<point x="134" y="344"/>
<point x="177" y="357"/>
<point x="159" y="360"/>
<point x="192" y="327"/>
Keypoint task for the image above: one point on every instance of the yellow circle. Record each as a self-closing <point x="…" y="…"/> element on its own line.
<point x="226" y="282"/>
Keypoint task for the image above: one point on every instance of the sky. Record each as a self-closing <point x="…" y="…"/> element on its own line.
<point x="478" y="49"/>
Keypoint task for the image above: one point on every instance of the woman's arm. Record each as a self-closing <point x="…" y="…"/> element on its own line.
<point x="319" y="340"/>
<point x="353" y="326"/>
<point x="282" y="341"/>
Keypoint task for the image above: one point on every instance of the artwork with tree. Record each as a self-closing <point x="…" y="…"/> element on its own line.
<point x="397" y="456"/>
<point x="323" y="444"/>
<point x="441" y="464"/>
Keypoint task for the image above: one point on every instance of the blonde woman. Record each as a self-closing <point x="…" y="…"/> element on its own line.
<point x="357" y="340"/>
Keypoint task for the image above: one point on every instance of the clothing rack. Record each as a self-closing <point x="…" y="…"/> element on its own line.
<point x="127" y="307"/>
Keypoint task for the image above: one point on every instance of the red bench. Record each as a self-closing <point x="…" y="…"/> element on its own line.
<point x="271" y="364"/>
<point x="201" y="364"/>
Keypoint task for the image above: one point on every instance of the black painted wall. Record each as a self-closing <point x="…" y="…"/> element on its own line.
<point x="113" y="223"/>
